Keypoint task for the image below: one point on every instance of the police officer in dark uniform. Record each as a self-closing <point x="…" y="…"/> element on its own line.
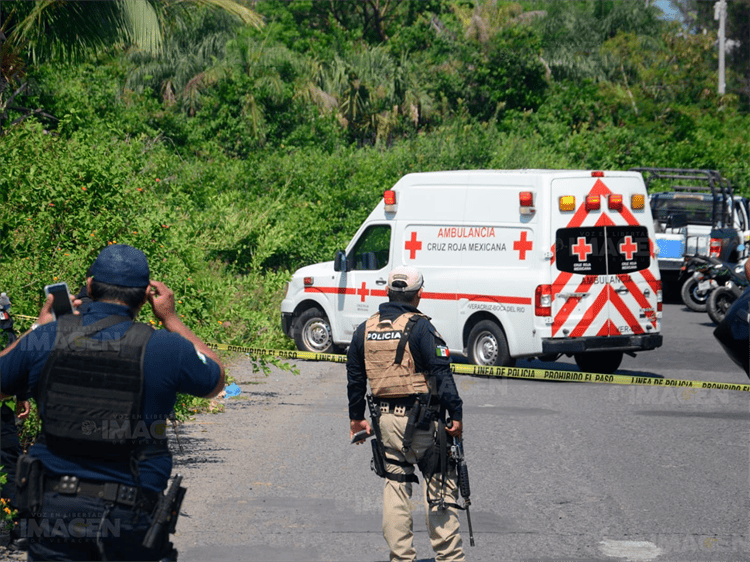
<point x="406" y="363"/>
<point x="104" y="385"/>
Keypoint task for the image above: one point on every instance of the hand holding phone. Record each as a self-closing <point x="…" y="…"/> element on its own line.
<point x="61" y="304"/>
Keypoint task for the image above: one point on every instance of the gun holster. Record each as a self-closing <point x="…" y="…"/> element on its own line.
<point x="29" y="485"/>
<point x="421" y="417"/>
<point x="377" y="463"/>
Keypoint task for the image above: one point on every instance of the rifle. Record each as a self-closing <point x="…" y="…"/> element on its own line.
<point x="457" y="452"/>
<point x="167" y="512"/>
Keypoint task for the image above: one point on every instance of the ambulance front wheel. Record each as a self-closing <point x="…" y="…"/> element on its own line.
<point x="488" y="346"/>
<point x="312" y="332"/>
<point x="604" y="362"/>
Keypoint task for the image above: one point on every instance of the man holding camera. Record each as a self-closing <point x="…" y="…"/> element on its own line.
<point x="104" y="385"/>
<point x="404" y="359"/>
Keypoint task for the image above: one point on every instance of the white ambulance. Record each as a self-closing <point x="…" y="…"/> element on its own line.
<point x="516" y="264"/>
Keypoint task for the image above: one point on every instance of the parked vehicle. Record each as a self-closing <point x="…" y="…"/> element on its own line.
<point x="732" y="332"/>
<point x="517" y="264"/>
<point x="699" y="276"/>
<point x="721" y="299"/>
<point x="696" y="213"/>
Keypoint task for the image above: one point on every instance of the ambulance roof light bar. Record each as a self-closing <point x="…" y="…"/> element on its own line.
<point x="389" y="198"/>
<point x="597" y="174"/>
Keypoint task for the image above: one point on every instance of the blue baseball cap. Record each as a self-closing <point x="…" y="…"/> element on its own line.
<point x="121" y="265"/>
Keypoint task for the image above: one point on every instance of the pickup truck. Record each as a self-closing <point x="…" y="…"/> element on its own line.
<point x="695" y="213"/>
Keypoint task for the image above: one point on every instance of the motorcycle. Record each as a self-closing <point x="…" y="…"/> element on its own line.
<point x="722" y="298"/>
<point x="700" y="275"/>
<point x="7" y="334"/>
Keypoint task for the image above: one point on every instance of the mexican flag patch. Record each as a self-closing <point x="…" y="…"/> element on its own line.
<point x="442" y="351"/>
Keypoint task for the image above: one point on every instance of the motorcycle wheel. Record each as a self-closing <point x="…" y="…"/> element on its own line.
<point x="720" y="301"/>
<point x="693" y="298"/>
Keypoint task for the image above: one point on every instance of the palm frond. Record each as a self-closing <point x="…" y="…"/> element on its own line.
<point x="236" y="9"/>
<point x="141" y="23"/>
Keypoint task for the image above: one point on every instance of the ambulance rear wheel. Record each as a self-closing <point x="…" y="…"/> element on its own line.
<point x="488" y="346"/>
<point x="604" y="362"/>
<point x="312" y="332"/>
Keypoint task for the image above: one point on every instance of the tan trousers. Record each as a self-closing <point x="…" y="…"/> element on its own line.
<point x="397" y="504"/>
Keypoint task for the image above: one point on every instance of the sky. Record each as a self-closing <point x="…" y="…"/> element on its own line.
<point x="669" y="10"/>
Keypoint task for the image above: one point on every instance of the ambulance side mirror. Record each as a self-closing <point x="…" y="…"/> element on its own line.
<point x="339" y="262"/>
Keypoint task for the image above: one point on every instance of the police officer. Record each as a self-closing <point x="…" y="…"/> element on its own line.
<point x="104" y="385"/>
<point x="397" y="376"/>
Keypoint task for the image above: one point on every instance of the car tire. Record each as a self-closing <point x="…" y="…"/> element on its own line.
<point x="720" y="301"/>
<point x="488" y="346"/>
<point x="693" y="298"/>
<point x="605" y="362"/>
<point x="312" y="332"/>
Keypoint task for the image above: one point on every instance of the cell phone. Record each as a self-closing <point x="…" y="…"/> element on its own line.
<point x="361" y="436"/>
<point x="61" y="305"/>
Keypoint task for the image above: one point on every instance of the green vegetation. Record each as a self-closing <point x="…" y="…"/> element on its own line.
<point x="234" y="153"/>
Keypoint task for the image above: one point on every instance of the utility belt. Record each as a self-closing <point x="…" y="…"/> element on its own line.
<point x="32" y="482"/>
<point x="120" y="494"/>
<point x="404" y="406"/>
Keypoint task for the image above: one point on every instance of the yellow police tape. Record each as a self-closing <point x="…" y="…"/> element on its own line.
<point x="507" y="372"/>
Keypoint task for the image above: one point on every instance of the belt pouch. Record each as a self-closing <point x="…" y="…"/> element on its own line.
<point x="29" y="484"/>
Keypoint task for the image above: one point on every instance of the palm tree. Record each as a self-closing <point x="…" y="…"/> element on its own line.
<point x="68" y="30"/>
<point x="55" y="30"/>
<point x="190" y="60"/>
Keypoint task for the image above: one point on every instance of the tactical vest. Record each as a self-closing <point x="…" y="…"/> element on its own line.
<point x="91" y="392"/>
<point x="390" y="377"/>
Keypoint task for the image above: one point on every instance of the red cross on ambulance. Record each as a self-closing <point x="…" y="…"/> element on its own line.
<point x="363" y="292"/>
<point x="628" y="248"/>
<point x="582" y="249"/>
<point x="413" y="245"/>
<point x="523" y="245"/>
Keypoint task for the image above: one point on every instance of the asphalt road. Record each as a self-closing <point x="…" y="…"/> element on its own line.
<point x="559" y="470"/>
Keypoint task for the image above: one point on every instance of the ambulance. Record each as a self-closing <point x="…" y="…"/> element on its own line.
<point x="516" y="264"/>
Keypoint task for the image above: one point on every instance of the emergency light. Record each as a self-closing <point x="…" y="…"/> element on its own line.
<point x="389" y="198"/>
<point x="593" y="203"/>
<point x="597" y="174"/>
<point x="308" y="281"/>
<point x="526" y="201"/>
<point x="637" y="202"/>
<point x="568" y="203"/>
<point x="615" y="202"/>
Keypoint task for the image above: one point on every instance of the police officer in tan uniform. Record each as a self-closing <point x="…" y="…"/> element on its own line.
<point x="404" y="359"/>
